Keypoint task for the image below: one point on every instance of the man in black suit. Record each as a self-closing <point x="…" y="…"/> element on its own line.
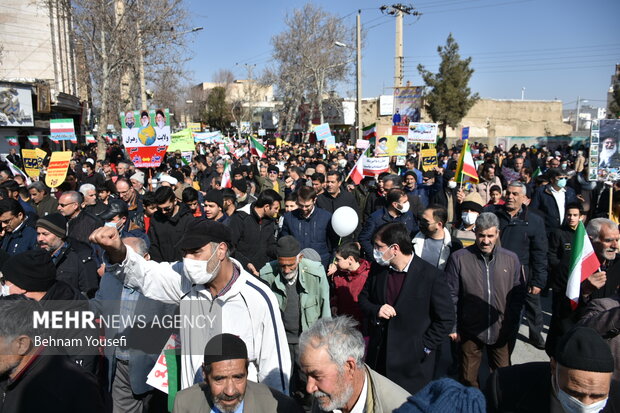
<point x="408" y="304"/>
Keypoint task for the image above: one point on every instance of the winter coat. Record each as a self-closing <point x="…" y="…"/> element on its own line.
<point x="75" y="266"/>
<point x="347" y="288"/>
<point x="314" y="292"/>
<point x="83" y="225"/>
<point x="379" y="219"/>
<point x="313" y="232"/>
<point x="425" y="317"/>
<point x="47" y="205"/>
<point x="525" y="236"/>
<point x="484" y="188"/>
<point x="487" y="295"/>
<point x="449" y="246"/>
<point x="253" y="238"/>
<point x="20" y="240"/>
<point x="544" y="201"/>
<point x="166" y="232"/>
<point x="330" y="204"/>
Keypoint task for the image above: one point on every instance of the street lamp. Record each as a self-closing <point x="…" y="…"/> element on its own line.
<point x="358" y="75"/>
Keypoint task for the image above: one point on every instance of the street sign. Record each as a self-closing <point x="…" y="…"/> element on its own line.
<point x="465" y="133"/>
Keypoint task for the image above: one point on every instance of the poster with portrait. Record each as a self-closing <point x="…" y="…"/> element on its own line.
<point x="146" y="136"/>
<point x="407" y="105"/>
<point x="422" y="132"/>
<point x="604" y="161"/>
<point x="391" y="145"/>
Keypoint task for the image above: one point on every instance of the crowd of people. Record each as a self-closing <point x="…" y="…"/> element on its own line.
<point x="392" y="317"/>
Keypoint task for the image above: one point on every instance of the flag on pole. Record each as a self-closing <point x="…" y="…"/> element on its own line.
<point x="583" y="263"/>
<point x="536" y="173"/>
<point x="33" y="139"/>
<point x="256" y="147"/>
<point x="16" y="171"/>
<point x="466" y="168"/>
<point x="369" y="131"/>
<point x="226" y="181"/>
<point x="73" y="139"/>
<point x="357" y="173"/>
<point x="90" y="139"/>
<point x="12" y="140"/>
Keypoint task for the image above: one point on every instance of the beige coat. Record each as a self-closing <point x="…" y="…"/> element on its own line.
<point x="259" y="398"/>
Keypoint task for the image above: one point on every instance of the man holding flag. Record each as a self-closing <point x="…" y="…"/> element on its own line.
<point x="466" y="168"/>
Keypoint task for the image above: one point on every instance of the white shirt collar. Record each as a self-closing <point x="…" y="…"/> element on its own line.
<point x="406" y="269"/>
<point x="360" y="404"/>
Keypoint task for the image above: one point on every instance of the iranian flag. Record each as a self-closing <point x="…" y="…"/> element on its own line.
<point x="466" y="168"/>
<point x="226" y="181"/>
<point x="583" y="263"/>
<point x="12" y="141"/>
<point x="90" y="139"/>
<point x="357" y="173"/>
<point x="256" y="147"/>
<point x="16" y="171"/>
<point x="369" y="131"/>
<point x="34" y="140"/>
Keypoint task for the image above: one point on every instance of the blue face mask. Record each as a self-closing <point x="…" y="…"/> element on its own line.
<point x="561" y="182"/>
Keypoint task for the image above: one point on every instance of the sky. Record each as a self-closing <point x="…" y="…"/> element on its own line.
<point x="555" y="49"/>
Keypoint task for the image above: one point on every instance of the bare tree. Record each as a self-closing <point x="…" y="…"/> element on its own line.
<point x="307" y="59"/>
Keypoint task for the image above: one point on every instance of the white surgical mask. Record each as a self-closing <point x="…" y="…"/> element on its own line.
<point x="378" y="256"/>
<point x="451" y="184"/>
<point x="469" y="218"/>
<point x="573" y="405"/>
<point x="405" y="208"/>
<point x="4" y="291"/>
<point x="196" y="270"/>
<point x="85" y="170"/>
<point x="562" y="182"/>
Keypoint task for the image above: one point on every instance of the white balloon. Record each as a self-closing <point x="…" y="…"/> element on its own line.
<point x="344" y="221"/>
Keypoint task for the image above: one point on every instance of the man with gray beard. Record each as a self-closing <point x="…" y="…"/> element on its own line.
<point x="331" y="356"/>
<point x="226" y="388"/>
<point x="609" y="157"/>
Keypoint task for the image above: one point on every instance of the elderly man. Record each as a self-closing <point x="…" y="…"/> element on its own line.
<point x="301" y="287"/>
<point x="604" y="235"/>
<point x="332" y="354"/>
<point x="41" y="199"/>
<point x="576" y="380"/>
<point x="31" y="378"/>
<point x="18" y="236"/>
<point x="73" y="259"/>
<point x="408" y="304"/>
<point x="209" y="285"/>
<point x="484" y="281"/>
<point x="81" y="223"/>
<point x="226" y="387"/>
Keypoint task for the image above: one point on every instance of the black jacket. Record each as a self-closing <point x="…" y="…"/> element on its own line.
<point x="424" y="317"/>
<point x="523" y="388"/>
<point x="544" y="201"/>
<point x="51" y="384"/>
<point x="75" y="266"/>
<point x="253" y="238"/>
<point x="83" y="225"/>
<point x="559" y="255"/>
<point x="166" y="232"/>
<point x="330" y="204"/>
<point x="525" y="236"/>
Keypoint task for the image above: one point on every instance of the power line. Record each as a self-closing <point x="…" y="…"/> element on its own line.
<point x="478" y="7"/>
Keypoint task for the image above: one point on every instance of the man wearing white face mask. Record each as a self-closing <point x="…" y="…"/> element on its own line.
<point x="576" y="381"/>
<point x="301" y="288"/>
<point x="552" y="199"/>
<point x="211" y="286"/>
<point x="397" y="209"/>
<point x="407" y="303"/>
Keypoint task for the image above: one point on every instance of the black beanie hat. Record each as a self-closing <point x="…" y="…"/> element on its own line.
<point x="582" y="348"/>
<point x="225" y="347"/>
<point x="241" y="185"/>
<point x="288" y="247"/>
<point x="31" y="270"/>
<point x="215" y="196"/>
<point x="202" y="232"/>
<point x="54" y="223"/>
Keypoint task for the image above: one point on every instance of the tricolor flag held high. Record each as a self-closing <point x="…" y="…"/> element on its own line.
<point x="90" y="139"/>
<point x="466" y="168"/>
<point x="583" y="263"/>
<point x="34" y="140"/>
<point x="226" y="181"/>
<point x="369" y="131"/>
<point x="16" y="171"/>
<point x="256" y="147"/>
<point x="12" y="141"/>
<point x="357" y="173"/>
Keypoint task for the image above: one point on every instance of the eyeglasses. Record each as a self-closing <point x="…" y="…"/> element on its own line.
<point x="64" y="205"/>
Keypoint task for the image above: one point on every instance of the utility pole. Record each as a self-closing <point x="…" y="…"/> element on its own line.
<point x="399" y="10"/>
<point x="523" y="93"/>
<point x="578" y="110"/>
<point x="359" y="75"/>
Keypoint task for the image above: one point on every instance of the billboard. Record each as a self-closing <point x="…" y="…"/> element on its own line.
<point x="422" y="132"/>
<point x="604" y="162"/>
<point x="407" y="104"/>
<point x="15" y="106"/>
<point x="146" y="136"/>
